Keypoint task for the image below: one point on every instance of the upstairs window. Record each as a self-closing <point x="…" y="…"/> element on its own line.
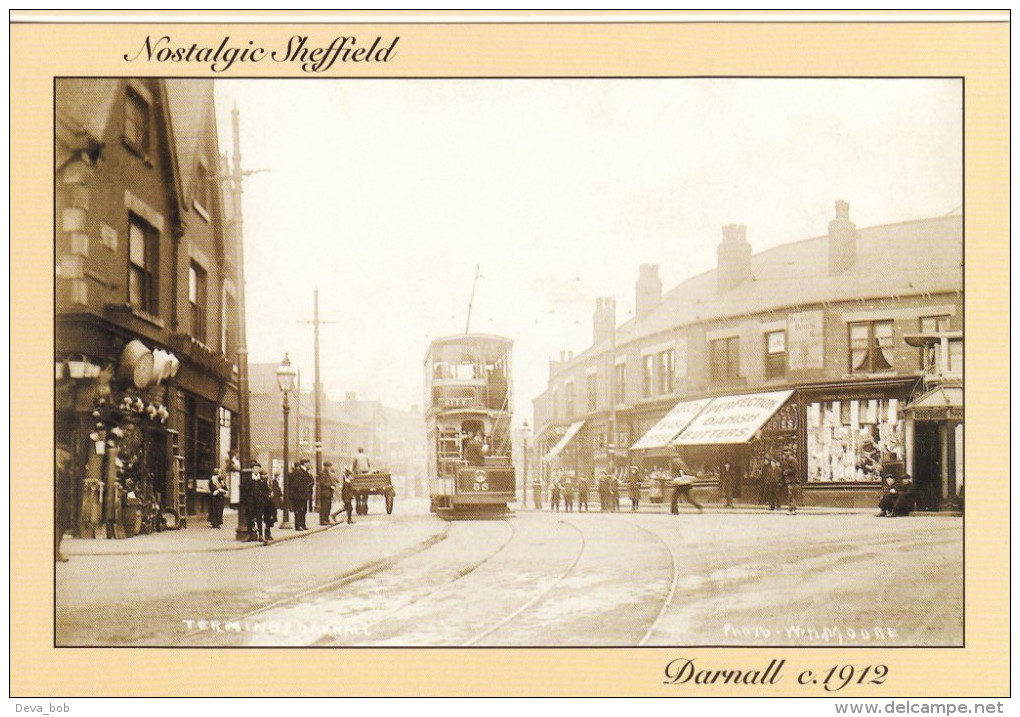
<point x="620" y="387"/>
<point x="137" y="121"/>
<point x="667" y="370"/>
<point x="143" y="258"/>
<point x="932" y="325"/>
<point x="725" y="358"/>
<point x="569" y="400"/>
<point x="197" y="298"/>
<point x="648" y="376"/>
<point x="871" y="346"/>
<point x="775" y="354"/>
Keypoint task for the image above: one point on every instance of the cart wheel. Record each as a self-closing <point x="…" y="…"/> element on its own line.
<point x="389" y="504"/>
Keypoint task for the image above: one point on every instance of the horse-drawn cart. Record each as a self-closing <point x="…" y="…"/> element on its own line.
<point x="366" y="484"/>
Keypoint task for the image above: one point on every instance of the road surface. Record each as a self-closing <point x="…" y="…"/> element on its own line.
<point x="739" y="578"/>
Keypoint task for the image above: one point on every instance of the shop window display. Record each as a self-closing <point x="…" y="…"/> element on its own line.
<point x="851" y="441"/>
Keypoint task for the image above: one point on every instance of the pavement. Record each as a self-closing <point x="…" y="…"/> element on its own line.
<point x="200" y="537"/>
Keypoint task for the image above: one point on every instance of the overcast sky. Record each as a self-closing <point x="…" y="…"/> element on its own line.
<point x="385" y="194"/>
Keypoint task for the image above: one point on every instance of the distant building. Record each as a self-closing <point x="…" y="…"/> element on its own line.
<point x="392" y="438"/>
<point x="148" y="310"/>
<point x="801" y="349"/>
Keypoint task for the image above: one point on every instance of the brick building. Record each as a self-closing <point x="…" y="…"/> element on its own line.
<point x="829" y="348"/>
<point x="392" y="438"/>
<point x="148" y="298"/>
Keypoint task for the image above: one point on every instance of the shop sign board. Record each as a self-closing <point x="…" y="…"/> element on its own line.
<point x="732" y="419"/>
<point x="567" y="437"/>
<point x="671" y="424"/>
<point x="805" y="341"/>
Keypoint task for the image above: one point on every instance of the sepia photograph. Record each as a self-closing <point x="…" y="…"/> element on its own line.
<point x="509" y="362"/>
<point x="530" y="354"/>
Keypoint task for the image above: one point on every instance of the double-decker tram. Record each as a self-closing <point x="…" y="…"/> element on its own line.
<point x="467" y="422"/>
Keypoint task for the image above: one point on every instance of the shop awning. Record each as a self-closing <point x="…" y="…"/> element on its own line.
<point x="732" y="419"/>
<point x="566" y="439"/>
<point x="941" y="402"/>
<point x="660" y="435"/>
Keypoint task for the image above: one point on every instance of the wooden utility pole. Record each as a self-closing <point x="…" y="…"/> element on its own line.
<point x="317" y="388"/>
<point x="243" y="409"/>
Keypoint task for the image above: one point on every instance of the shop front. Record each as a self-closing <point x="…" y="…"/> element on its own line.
<point x="934" y="430"/>
<point x="138" y="430"/>
<point x="113" y="434"/>
<point x="743" y="431"/>
<point x="854" y="434"/>
<point x="565" y="457"/>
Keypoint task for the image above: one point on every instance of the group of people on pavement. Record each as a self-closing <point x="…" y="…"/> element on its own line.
<point x="779" y="480"/>
<point x="262" y="495"/>
<point x="897" y="497"/>
<point x="610" y="488"/>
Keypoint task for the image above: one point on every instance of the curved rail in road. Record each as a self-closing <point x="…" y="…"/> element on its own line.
<point x="463" y="573"/>
<point x="672" y="586"/>
<point x="545" y="591"/>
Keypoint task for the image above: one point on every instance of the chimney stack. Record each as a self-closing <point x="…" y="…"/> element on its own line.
<point x="734" y="257"/>
<point x="648" y="291"/>
<point x="842" y="240"/>
<point x="604" y="319"/>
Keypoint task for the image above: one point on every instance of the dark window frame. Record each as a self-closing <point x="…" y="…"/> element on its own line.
<point x="724" y="355"/>
<point x="775" y="362"/>
<point x="939" y="319"/>
<point x="144" y="274"/>
<point x="648" y="375"/>
<point x="666" y="366"/>
<point x="874" y="359"/>
<point x="620" y="389"/>
<point x="198" y="300"/>
<point x="137" y="122"/>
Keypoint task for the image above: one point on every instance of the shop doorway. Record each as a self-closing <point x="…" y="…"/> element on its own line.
<point x="927" y="466"/>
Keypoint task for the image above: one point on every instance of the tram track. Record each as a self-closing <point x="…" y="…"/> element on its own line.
<point x="674" y="580"/>
<point x="536" y="598"/>
<point x="360" y="573"/>
<point x="460" y="575"/>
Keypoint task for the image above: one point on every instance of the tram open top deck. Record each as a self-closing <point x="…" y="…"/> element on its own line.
<point x="468" y="416"/>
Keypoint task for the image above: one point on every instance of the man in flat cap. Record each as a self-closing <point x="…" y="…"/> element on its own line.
<point x="256" y="498"/>
<point x="325" y="486"/>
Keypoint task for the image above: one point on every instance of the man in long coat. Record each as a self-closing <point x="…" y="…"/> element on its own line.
<point x="256" y="497"/>
<point x="301" y="483"/>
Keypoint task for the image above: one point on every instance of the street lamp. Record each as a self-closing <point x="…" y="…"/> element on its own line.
<point x="285" y="380"/>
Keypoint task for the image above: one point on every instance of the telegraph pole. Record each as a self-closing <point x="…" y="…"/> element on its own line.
<point x="244" y="433"/>
<point x="317" y="388"/>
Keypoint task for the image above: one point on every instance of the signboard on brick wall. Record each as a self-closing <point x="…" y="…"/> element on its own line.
<point x="805" y="343"/>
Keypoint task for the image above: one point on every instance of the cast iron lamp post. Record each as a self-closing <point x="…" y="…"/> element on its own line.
<point x="285" y="380"/>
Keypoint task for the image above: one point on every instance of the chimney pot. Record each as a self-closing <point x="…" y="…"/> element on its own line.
<point x="734" y="254"/>
<point x="604" y="319"/>
<point x="842" y="240"/>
